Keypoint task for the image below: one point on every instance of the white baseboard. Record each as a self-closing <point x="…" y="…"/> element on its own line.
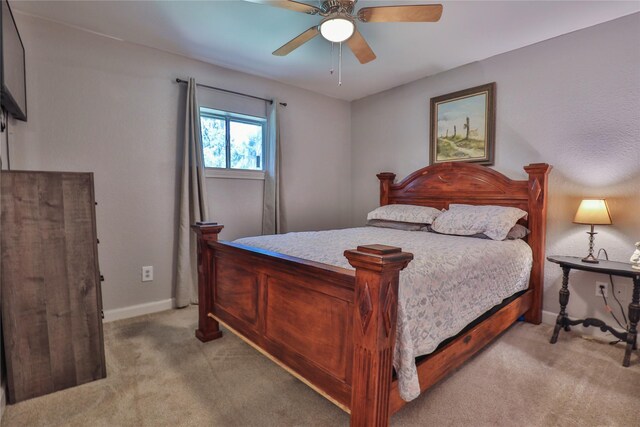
<point x="549" y="318"/>
<point x="138" y="310"/>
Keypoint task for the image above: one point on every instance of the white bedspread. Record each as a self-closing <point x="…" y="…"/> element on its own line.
<point x="450" y="282"/>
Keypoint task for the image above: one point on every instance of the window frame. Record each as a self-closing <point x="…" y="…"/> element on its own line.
<point x="228" y="171"/>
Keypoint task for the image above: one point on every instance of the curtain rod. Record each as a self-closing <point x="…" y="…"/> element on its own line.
<point x="270" y="101"/>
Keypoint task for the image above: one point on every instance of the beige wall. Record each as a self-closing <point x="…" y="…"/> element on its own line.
<point x="573" y="102"/>
<point x="110" y="107"/>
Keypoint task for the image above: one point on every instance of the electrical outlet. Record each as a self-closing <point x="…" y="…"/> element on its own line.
<point x="602" y="288"/>
<point x="147" y="273"/>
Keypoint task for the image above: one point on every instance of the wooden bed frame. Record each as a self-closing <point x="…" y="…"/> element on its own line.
<point x="334" y="328"/>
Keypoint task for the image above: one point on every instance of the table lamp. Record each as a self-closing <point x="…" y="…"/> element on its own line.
<point x="592" y="212"/>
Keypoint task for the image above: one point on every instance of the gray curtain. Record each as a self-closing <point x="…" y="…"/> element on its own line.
<point x="193" y="202"/>
<point x="271" y="207"/>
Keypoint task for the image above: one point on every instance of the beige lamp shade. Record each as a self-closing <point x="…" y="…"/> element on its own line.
<point x="593" y="211"/>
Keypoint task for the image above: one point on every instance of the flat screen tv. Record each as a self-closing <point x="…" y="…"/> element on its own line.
<point x="14" y="90"/>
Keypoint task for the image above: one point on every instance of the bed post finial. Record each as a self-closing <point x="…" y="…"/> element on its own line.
<point x="386" y="179"/>
<point x="538" y="173"/>
<point x="374" y="330"/>
<point x="208" y="328"/>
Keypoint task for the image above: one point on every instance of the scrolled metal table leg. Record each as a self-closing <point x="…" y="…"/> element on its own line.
<point x="634" y="317"/>
<point x="564" y="300"/>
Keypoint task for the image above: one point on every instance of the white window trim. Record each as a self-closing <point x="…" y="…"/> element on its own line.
<point x="234" y="173"/>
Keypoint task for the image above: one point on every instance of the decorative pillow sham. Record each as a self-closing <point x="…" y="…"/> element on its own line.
<point x="397" y="225"/>
<point x="466" y="220"/>
<point x="405" y="213"/>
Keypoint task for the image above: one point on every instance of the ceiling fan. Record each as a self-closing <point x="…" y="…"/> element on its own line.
<point x="339" y="22"/>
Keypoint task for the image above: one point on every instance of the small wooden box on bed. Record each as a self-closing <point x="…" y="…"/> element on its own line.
<point x="334" y="328"/>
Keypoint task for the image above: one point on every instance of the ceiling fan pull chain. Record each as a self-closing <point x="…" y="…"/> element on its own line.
<point x="331" y="69"/>
<point x="340" y="67"/>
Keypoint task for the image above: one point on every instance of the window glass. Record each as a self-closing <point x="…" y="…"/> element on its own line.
<point x="232" y="140"/>
<point x="245" y="145"/>
<point x="214" y="138"/>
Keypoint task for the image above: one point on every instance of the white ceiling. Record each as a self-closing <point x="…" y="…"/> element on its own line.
<point x="241" y="35"/>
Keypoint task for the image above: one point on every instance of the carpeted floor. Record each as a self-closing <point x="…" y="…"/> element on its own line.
<point x="160" y="375"/>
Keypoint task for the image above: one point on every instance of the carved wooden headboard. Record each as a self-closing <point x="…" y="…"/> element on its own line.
<point x="442" y="184"/>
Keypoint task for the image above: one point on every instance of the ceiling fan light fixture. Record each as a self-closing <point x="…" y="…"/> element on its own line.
<point x="337" y="29"/>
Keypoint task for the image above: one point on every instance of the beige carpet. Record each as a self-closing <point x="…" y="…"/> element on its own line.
<point x="160" y="375"/>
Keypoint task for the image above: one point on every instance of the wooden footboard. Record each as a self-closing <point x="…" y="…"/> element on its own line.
<point x="331" y="327"/>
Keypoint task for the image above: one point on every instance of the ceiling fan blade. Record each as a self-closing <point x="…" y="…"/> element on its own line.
<point x="417" y="13"/>
<point x="361" y="48"/>
<point x="289" y="4"/>
<point x="297" y="42"/>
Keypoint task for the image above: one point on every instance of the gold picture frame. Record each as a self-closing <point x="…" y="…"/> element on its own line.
<point x="462" y="126"/>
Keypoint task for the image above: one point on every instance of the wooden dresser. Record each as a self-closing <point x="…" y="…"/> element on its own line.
<point x="50" y="282"/>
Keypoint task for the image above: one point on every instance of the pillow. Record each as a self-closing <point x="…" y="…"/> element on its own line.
<point x="518" y="231"/>
<point x="397" y="225"/>
<point x="405" y="213"/>
<point x="466" y="220"/>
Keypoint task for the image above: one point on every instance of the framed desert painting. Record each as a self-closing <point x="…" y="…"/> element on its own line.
<point x="463" y="126"/>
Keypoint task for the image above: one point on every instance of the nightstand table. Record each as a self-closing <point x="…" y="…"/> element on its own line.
<point x="605" y="267"/>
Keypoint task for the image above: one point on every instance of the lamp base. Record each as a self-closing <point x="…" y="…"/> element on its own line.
<point x="590" y="259"/>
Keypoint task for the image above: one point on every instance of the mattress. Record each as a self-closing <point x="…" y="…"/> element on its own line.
<point x="451" y="281"/>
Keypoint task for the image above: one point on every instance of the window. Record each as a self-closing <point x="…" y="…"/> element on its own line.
<point x="232" y="142"/>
